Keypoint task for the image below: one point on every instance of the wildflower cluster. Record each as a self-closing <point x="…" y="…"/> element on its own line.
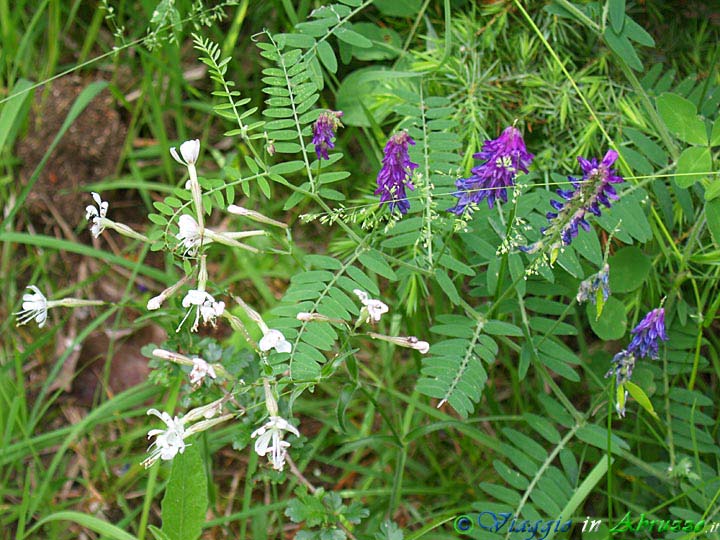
<point x="396" y="173"/>
<point x="324" y="132"/>
<point x="586" y="195"/>
<point x="202" y="308"/>
<point x="503" y="159"/>
<point x="644" y="344"/>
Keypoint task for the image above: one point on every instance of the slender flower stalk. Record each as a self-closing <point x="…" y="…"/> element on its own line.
<point x="256" y="216"/>
<point x="272" y="339"/>
<point x="503" y="160"/>
<point x="157" y="301"/>
<point x="585" y="196"/>
<point x="324" y="132"/>
<point x="189" y="153"/>
<point x="191" y="237"/>
<point x="305" y="316"/>
<point x="396" y="172"/>
<point x="410" y="342"/>
<point x="35" y="306"/>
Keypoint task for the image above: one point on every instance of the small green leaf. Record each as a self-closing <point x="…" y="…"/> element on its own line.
<point x="446" y="284"/>
<point x="693" y="165"/>
<point x="616" y="11"/>
<point x="640" y="396"/>
<point x="287" y="167"/>
<point x="715" y="137"/>
<point x="327" y="56"/>
<point x="612" y="323"/>
<point x="353" y="38"/>
<point x="680" y="116"/>
<point x="307" y="508"/>
<point x="373" y="260"/>
<point x="186" y="499"/>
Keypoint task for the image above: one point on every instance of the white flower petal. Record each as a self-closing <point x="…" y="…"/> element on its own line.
<point x="190" y="151"/>
<point x="175" y="156"/>
<point x="362" y="295"/>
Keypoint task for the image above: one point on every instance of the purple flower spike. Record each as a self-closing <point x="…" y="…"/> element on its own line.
<point x="504" y="158"/>
<point x="324" y="132"/>
<point x="644" y="343"/>
<point x="395" y="174"/>
<point x="586" y="195"/>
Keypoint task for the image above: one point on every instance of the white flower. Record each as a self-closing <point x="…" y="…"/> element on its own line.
<point x="155" y="302"/>
<point x="168" y="442"/>
<point x="189" y="150"/>
<point x="206" y="305"/>
<point x="200" y="370"/>
<point x="189" y="234"/>
<point x="96" y="215"/>
<point x="274" y="339"/>
<point x="374" y="308"/>
<point x="34" y="306"/>
<point x="270" y="440"/>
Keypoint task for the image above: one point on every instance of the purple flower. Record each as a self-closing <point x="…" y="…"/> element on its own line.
<point x="586" y="195"/>
<point x="645" y="335"/>
<point x="396" y="171"/>
<point x="504" y="158"/>
<point x="324" y="132"/>
<point x="644" y="344"/>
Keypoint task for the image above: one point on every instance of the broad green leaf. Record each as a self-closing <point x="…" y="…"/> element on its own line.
<point x="186" y="498"/>
<point x="398" y="8"/>
<point x="158" y="534"/>
<point x="712" y="215"/>
<point x="10" y="111"/>
<point x="387" y="43"/>
<point x="680" y="117"/>
<point x="616" y="11"/>
<point x="629" y="269"/>
<point x="693" y="165"/>
<point x="93" y="523"/>
<point x="612" y="323"/>
<point x="637" y="33"/>
<point x="640" y="396"/>
<point x="622" y="47"/>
